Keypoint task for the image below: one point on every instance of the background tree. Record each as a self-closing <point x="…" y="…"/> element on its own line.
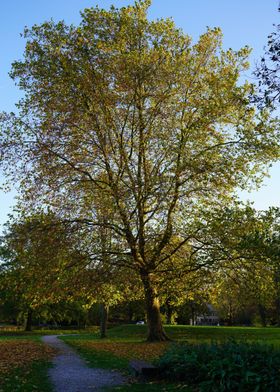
<point x="39" y="254"/>
<point x="129" y="108"/>
<point x="268" y="72"/>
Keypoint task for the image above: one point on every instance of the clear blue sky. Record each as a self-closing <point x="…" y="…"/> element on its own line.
<point x="243" y="22"/>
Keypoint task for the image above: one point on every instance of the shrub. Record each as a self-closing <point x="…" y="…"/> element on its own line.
<point x="229" y="366"/>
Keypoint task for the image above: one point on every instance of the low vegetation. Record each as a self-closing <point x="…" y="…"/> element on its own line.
<point x="204" y="358"/>
<point x="223" y="367"/>
<point x="215" y="357"/>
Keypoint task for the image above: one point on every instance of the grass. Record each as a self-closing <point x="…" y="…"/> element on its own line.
<point x="24" y="362"/>
<point x="123" y="343"/>
<point x="31" y="378"/>
<point x="111" y="352"/>
<point x="6" y="332"/>
<point x="137" y="333"/>
<point x="18" y="347"/>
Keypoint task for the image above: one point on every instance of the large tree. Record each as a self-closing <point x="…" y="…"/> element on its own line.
<point x="130" y="112"/>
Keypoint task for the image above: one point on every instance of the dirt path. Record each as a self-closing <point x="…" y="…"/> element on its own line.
<point x="70" y="373"/>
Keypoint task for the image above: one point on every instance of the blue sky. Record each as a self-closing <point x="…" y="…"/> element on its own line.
<point x="243" y="22"/>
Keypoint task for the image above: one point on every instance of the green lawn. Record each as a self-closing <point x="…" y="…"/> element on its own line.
<point x="92" y="348"/>
<point x="137" y="333"/>
<point x="124" y="341"/>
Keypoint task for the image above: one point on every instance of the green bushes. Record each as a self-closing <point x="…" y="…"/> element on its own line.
<point x="223" y="367"/>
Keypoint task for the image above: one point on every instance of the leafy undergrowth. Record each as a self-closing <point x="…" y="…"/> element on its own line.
<point x="23" y="366"/>
<point x="224" y="367"/>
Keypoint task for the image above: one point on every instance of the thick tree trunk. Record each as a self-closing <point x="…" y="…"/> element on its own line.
<point x="155" y="328"/>
<point x="104" y="311"/>
<point x="28" y="323"/>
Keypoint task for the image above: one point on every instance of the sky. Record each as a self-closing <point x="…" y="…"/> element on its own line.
<point x="243" y="22"/>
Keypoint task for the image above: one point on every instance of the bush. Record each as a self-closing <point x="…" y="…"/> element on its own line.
<point x="223" y="367"/>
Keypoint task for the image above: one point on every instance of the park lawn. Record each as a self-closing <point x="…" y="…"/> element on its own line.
<point x="29" y="378"/>
<point x="184" y="333"/>
<point x="23" y="364"/>
<point x="128" y="342"/>
<point x="123" y="343"/>
<point x="37" y="333"/>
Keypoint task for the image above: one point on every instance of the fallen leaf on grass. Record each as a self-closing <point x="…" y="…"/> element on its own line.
<point x="21" y="352"/>
<point x="143" y="351"/>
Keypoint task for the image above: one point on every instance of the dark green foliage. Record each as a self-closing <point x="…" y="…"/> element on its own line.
<point x="224" y="367"/>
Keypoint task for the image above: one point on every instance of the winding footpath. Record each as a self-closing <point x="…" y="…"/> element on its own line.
<point x="70" y="372"/>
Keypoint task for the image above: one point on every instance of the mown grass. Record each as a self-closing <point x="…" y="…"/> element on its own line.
<point x="138" y="333"/>
<point x="122" y="343"/>
<point x="19" y="333"/>
<point x="94" y="350"/>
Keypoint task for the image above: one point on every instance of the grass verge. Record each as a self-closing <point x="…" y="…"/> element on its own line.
<point x="31" y="378"/>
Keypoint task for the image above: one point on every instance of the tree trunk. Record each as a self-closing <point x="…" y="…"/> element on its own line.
<point x="193" y="320"/>
<point x="277" y="298"/>
<point x="28" y="323"/>
<point x="169" y="312"/>
<point x="130" y="313"/>
<point x="155" y="328"/>
<point x="277" y="309"/>
<point x="104" y="310"/>
<point x="230" y="315"/>
<point x="262" y="313"/>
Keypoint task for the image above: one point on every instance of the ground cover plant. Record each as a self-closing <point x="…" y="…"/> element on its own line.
<point x="223" y="367"/>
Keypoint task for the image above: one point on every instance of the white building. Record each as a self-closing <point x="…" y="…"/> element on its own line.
<point x="210" y="317"/>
